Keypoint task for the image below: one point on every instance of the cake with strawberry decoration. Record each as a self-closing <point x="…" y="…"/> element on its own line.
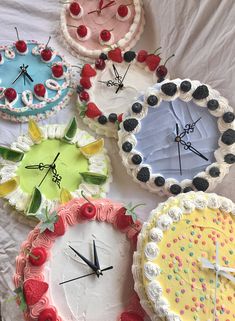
<point x="92" y="27"/>
<point x="109" y="85"/>
<point x="76" y="264"/>
<point x="36" y="81"/>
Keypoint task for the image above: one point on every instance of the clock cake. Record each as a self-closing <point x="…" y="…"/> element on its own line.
<point x="178" y="137"/>
<point x="54" y="282"/>
<point x="52" y="164"/>
<point x="184" y="266"/>
<point x="92" y="27"/>
<point x="35" y="81"/>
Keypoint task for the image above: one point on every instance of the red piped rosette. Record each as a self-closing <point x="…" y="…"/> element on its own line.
<point x="94" y="115"/>
<point x="32" y="279"/>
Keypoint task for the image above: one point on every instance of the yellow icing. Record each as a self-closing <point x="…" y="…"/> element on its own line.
<point x="189" y="288"/>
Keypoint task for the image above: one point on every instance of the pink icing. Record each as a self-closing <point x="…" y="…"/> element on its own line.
<point x="106" y="210"/>
<point x="96" y="23"/>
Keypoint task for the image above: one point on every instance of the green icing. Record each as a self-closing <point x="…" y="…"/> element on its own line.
<point x="69" y="163"/>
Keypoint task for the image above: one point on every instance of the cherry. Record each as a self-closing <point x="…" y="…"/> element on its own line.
<point x="46" y="54"/>
<point x="162" y="71"/>
<point x="75" y="8"/>
<point x="87" y="210"/>
<point x="21" y="46"/>
<point x="84" y="96"/>
<point x="38" y="256"/>
<point x="10" y="94"/>
<point x="142" y="55"/>
<point x="40" y="90"/>
<point x="100" y="64"/>
<point x="57" y="71"/>
<point x="48" y="314"/>
<point x="82" y="31"/>
<point x="122" y="10"/>
<point x="105" y="35"/>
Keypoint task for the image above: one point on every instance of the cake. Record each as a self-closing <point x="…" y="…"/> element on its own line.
<point x="109" y="297"/>
<point x="52" y="164"/>
<point x="92" y="27"/>
<point x="35" y="81"/>
<point x="178" y="137"/>
<point x="184" y="266"/>
<point x="110" y="85"/>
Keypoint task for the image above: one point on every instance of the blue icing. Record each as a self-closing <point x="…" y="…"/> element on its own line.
<point x="155" y="140"/>
<point x="38" y="70"/>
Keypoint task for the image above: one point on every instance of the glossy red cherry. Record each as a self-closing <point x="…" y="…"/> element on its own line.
<point x="48" y="314"/>
<point x="37" y="256"/>
<point x="10" y="94"/>
<point x="100" y="64"/>
<point x="82" y="31"/>
<point x="88" y="211"/>
<point x="162" y="71"/>
<point x="57" y="71"/>
<point x="122" y="10"/>
<point x="46" y="54"/>
<point x="84" y="96"/>
<point x="40" y="90"/>
<point x="21" y="46"/>
<point x="75" y="8"/>
<point x="105" y="35"/>
<point x="142" y="55"/>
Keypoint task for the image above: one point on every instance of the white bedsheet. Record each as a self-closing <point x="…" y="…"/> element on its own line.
<point x="201" y="33"/>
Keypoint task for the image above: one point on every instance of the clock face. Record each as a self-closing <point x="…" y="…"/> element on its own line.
<point x="170" y="139"/>
<point x="91" y="27"/>
<point x="57" y="280"/>
<point x="182" y="245"/>
<point x="51" y="92"/>
<point x="37" y="173"/>
<point x="112" y="89"/>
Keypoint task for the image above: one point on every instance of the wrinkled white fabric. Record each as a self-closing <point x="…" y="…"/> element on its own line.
<point x="201" y="34"/>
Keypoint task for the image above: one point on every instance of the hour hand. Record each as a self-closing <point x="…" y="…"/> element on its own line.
<point x="40" y="166"/>
<point x="96" y="259"/>
<point x="189" y="146"/>
<point x="89" y="263"/>
<point x="19" y="75"/>
<point x="28" y="76"/>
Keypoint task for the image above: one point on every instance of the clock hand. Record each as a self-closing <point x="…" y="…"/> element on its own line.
<point x="109" y="83"/>
<point x="89" y="263"/>
<point x="96" y="259"/>
<point x="56" y="178"/>
<point x="19" y="75"/>
<point x="222" y="270"/>
<point x="117" y="76"/>
<point x="40" y="166"/>
<point x="227" y="275"/>
<point x="49" y="169"/>
<point x="189" y="128"/>
<point x="28" y="76"/>
<point x="111" y="3"/>
<point x="189" y="146"/>
<point x="121" y="83"/>
<point x="177" y="139"/>
<point x="83" y="276"/>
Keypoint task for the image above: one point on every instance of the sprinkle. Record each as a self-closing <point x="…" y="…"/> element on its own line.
<point x="177" y="300"/>
<point x="177" y="293"/>
<point x="181" y="312"/>
<point x="201" y="279"/>
<point x="175" y="270"/>
<point x="186" y="307"/>
<point x="190" y="245"/>
<point x="192" y="233"/>
<point x="172" y="255"/>
<point x="182" y="249"/>
<point x="185" y="271"/>
<point x="183" y="291"/>
<point x="163" y="256"/>
<point x="168" y="290"/>
<point x="190" y="253"/>
<point x="171" y="265"/>
<point x="194" y="299"/>
<point x="169" y="277"/>
<point x="202" y="298"/>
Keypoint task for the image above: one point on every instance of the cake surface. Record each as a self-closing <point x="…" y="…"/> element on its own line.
<point x="185" y="242"/>
<point x="91" y="298"/>
<point x="27" y="103"/>
<point x="178" y="136"/>
<point x="124" y="32"/>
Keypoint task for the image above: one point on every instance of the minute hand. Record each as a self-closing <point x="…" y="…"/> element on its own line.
<point x="189" y="146"/>
<point x="89" y="263"/>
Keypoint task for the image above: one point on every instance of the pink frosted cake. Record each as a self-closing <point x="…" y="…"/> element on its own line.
<point x="47" y="262"/>
<point x="93" y="27"/>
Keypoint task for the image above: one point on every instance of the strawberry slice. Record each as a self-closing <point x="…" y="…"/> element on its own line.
<point x="115" y="55"/>
<point x="88" y="71"/>
<point x="130" y="316"/>
<point x="34" y="290"/>
<point x="59" y="228"/>
<point x="126" y="216"/>
<point x="85" y="82"/>
<point x="92" y="111"/>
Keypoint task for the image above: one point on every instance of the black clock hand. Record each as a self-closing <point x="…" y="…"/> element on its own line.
<point x="28" y="76"/>
<point x="49" y="169"/>
<point x="189" y="128"/>
<point x="56" y="178"/>
<point x="109" y="83"/>
<point x="40" y="166"/>
<point x="89" y="263"/>
<point x="19" y="75"/>
<point x="117" y="76"/>
<point x="189" y="146"/>
<point x="121" y="83"/>
<point x="83" y="276"/>
<point x="178" y="139"/>
<point x="96" y="259"/>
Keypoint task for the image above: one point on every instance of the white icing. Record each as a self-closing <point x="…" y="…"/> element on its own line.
<point x="175" y="213"/>
<point x="200" y="202"/>
<point x="156" y="234"/>
<point x="151" y="250"/>
<point x="188" y="206"/>
<point x="164" y="222"/>
<point x="162" y="307"/>
<point x="151" y="270"/>
<point x="91" y="298"/>
<point x="154" y="291"/>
